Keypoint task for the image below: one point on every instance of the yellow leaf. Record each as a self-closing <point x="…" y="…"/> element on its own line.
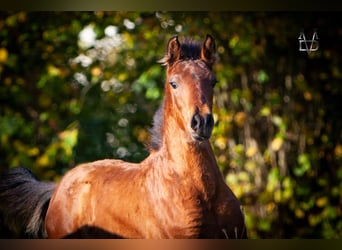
<point x="43" y="161"/>
<point x="251" y="151"/>
<point x="265" y="111"/>
<point x="243" y="176"/>
<point x="314" y="220"/>
<point x="3" y="55"/>
<point x="250" y="166"/>
<point x="277" y="143"/>
<point x="221" y="143"/>
<point x="307" y="96"/>
<point x="53" y="71"/>
<point x="96" y="71"/>
<point x="231" y="179"/>
<point x="33" y="151"/>
<point x="321" y="202"/>
<point x="270" y="207"/>
<point x="338" y="151"/>
<point x="240" y="118"/>
<point x="141" y="134"/>
<point x="234" y="41"/>
<point x="69" y="137"/>
<point x="277" y="195"/>
<point x="299" y="213"/>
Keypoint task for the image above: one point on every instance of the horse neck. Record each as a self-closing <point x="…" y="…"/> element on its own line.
<point x="188" y="159"/>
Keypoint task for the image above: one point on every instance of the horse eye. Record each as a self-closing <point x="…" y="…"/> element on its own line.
<point x="173" y="84"/>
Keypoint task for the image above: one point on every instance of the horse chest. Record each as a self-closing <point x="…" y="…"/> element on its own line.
<point x="180" y="222"/>
<point x="183" y="214"/>
<point x="200" y="220"/>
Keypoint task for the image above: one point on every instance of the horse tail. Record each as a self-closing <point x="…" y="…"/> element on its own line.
<point x="24" y="201"/>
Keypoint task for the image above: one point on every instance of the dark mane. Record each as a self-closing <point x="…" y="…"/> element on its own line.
<point x="190" y="50"/>
<point x="156" y="130"/>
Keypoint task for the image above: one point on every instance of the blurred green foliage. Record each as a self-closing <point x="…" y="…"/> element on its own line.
<point x="81" y="86"/>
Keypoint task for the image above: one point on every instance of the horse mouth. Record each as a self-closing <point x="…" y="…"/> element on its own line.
<point x="199" y="138"/>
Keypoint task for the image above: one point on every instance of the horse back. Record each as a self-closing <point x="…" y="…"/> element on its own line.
<point x="91" y="195"/>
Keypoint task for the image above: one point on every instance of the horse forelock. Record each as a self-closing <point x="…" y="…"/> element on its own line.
<point x="189" y="50"/>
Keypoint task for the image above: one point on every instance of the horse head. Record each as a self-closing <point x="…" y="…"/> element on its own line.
<point x="189" y="85"/>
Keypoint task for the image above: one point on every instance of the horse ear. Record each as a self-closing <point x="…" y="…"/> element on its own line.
<point x="173" y="52"/>
<point x="208" y="50"/>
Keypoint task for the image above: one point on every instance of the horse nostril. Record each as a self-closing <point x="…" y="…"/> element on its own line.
<point x="209" y="120"/>
<point x="202" y="126"/>
<point x="196" y="122"/>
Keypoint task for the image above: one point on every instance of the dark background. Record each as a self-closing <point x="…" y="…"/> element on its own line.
<point x="277" y="135"/>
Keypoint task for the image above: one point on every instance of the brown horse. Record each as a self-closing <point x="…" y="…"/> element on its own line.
<point x="178" y="190"/>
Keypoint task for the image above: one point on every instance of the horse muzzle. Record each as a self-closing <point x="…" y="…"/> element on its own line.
<point x="201" y="126"/>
